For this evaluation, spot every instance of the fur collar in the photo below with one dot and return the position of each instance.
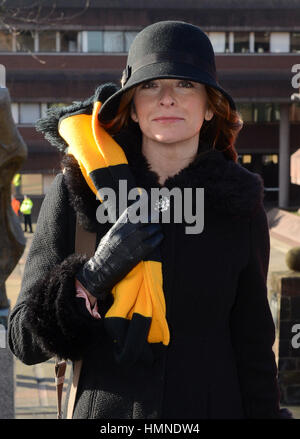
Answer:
(229, 187)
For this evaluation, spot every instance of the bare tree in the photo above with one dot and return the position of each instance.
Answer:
(17, 17)
(41, 12)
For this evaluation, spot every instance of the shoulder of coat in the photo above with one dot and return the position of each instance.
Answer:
(80, 196)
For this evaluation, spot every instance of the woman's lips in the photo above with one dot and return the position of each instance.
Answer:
(167, 119)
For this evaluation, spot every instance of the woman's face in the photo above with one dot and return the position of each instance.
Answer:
(170, 110)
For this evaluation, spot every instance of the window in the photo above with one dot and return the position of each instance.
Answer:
(218, 40)
(246, 158)
(105, 41)
(275, 113)
(228, 46)
(113, 41)
(47, 41)
(5, 41)
(25, 41)
(259, 112)
(92, 41)
(262, 42)
(279, 42)
(266, 112)
(295, 42)
(15, 112)
(68, 41)
(246, 161)
(270, 158)
(269, 173)
(32, 184)
(29, 112)
(129, 37)
(246, 112)
(241, 42)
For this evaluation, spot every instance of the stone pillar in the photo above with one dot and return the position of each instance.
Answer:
(284, 299)
(284, 156)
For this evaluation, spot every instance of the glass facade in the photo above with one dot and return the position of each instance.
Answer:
(119, 41)
(218, 41)
(106, 41)
(47, 41)
(295, 42)
(29, 113)
(259, 112)
(68, 41)
(113, 41)
(129, 37)
(94, 41)
(261, 42)
(246, 111)
(241, 42)
(266, 112)
(25, 41)
(5, 41)
(279, 42)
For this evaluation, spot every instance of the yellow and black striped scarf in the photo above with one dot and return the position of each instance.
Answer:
(137, 317)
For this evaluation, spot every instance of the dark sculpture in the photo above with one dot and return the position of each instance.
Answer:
(13, 152)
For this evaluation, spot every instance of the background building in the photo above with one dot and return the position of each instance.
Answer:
(63, 53)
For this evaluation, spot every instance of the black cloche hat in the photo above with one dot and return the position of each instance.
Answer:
(167, 49)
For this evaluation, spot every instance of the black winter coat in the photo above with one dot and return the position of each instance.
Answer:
(219, 363)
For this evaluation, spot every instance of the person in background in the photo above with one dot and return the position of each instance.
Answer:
(17, 184)
(26, 208)
(15, 204)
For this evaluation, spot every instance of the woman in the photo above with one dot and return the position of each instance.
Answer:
(194, 338)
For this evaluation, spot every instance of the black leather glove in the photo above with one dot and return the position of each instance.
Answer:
(118, 252)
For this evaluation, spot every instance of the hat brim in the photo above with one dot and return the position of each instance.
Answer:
(162, 70)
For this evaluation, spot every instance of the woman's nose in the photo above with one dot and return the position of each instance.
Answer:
(166, 96)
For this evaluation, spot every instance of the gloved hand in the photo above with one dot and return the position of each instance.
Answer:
(118, 252)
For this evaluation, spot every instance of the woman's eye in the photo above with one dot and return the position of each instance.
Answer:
(187, 84)
(150, 83)
(184, 83)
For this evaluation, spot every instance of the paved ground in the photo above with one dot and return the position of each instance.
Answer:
(35, 395)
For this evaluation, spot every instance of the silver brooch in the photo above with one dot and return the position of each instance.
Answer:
(162, 204)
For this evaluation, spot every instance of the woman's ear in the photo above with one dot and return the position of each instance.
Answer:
(133, 114)
(208, 114)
